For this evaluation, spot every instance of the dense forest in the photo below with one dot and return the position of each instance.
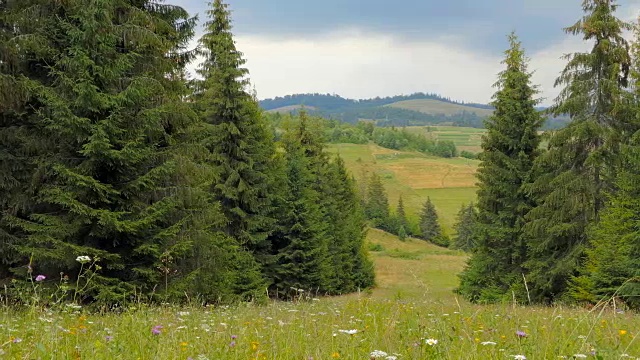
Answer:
(122, 180)
(352, 111)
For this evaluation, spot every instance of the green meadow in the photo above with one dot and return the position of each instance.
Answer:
(413, 313)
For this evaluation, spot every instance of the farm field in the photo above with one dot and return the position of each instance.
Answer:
(412, 314)
(449, 182)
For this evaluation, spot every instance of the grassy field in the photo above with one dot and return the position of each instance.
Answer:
(412, 314)
(430, 106)
(449, 182)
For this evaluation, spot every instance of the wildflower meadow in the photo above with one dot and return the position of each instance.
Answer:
(358, 327)
(413, 313)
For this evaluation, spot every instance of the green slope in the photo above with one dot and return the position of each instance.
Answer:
(436, 107)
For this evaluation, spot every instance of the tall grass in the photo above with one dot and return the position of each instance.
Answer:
(412, 314)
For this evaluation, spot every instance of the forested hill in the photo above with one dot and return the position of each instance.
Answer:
(401, 110)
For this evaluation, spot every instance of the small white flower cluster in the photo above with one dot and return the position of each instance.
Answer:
(379, 354)
(519, 357)
(83, 259)
(350, 332)
(485, 343)
(431, 342)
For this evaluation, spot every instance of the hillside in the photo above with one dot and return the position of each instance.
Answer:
(291, 108)
(449, 183)
(435, 107)
(417, 109)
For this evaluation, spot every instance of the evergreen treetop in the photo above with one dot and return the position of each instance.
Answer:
(239, 142)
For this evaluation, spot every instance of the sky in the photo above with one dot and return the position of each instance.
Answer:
(366, 48)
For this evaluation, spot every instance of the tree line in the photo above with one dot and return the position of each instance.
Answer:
(363, 132)
(561, 223)
(119, 170)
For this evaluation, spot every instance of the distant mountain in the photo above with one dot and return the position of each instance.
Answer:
(401, 110)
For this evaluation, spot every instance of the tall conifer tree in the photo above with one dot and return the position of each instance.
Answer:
(352, 267)
(377, 203)
(301, 245)
(508, 153)
(97, 112)
(465, 228)
(581, 162)
(429, 225)
(240, 144)
(401, 217)
(612, 266)
(613, 253)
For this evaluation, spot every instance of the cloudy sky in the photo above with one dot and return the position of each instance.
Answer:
(368, 48)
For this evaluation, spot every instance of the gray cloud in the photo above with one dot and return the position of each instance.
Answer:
(364, 49)
(480, 24)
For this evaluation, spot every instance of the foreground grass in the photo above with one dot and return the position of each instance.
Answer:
(312, 329)
(412, 304)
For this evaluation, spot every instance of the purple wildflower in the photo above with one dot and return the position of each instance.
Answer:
(521, 334)
(157, 330)
(232, 344)
(40, 278)
(16, 340)
(234, 337)
(108, 338)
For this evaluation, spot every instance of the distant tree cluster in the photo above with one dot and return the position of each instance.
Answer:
(157, 186)
(378, 212)
(561, 223)
(365, 131)
(393, 138)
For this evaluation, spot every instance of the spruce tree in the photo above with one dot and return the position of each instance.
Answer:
(240, 144)
(301, 247)
(465, 228)
(377, 203)
(97, 112)
(613, 251)
(352, 269)
(581, 162)
(429, 225)
(401, 217)
(612, 266)
(508, 152)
